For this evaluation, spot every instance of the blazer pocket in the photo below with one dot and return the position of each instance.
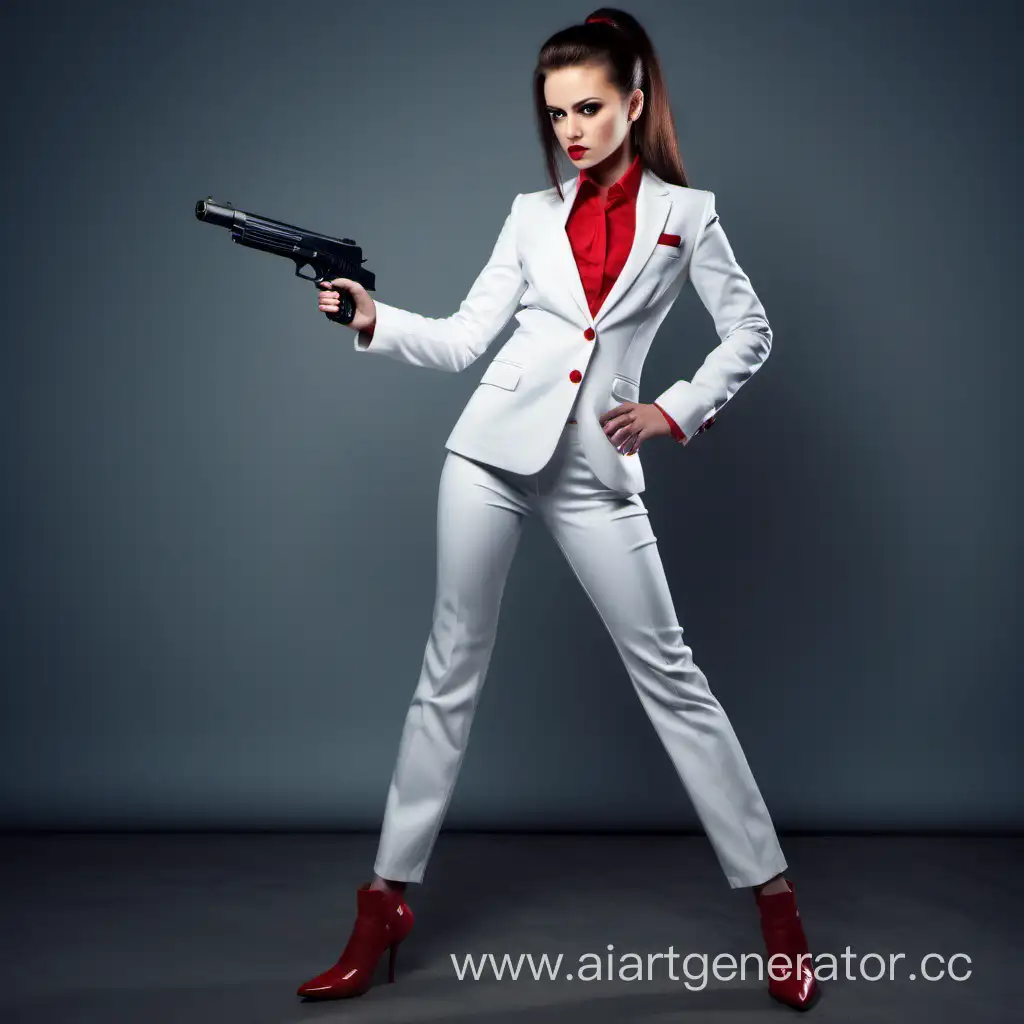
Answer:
(671, 245)
(625, 390)
(502, 374)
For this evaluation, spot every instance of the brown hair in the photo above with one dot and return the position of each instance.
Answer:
(628, 56)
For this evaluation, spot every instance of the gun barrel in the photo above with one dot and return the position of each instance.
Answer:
(214, 213)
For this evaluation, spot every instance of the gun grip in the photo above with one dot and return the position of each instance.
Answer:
(346, 309)
(346, 304)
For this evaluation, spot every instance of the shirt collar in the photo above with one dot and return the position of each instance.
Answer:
(626, 187)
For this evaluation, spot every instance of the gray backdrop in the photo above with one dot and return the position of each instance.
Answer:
(219, 520)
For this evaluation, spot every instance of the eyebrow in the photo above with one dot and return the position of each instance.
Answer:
(581, 103)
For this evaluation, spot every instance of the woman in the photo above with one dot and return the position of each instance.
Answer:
(552, 430)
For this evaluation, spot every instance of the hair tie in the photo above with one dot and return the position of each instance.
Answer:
(607, 21)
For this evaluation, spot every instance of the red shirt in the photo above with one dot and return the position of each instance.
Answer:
(601, 230)
(601, 233)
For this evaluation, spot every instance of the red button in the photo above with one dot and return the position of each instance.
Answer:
(575, 376)
(589, 334)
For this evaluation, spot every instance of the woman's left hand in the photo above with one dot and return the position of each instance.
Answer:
(627, 426)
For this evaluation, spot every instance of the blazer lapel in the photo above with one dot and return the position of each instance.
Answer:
(653, 203)
(562, 247)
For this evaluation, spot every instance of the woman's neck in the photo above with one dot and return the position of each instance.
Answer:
(613, 167)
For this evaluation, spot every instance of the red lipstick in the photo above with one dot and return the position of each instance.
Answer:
(575, 152)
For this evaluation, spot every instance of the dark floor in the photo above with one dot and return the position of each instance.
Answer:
(222, 928)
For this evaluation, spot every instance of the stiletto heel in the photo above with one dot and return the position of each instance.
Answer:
(383, 921)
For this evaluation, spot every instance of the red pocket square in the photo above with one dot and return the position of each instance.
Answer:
(669, 240)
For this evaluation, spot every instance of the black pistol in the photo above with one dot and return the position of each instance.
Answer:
(327, 257)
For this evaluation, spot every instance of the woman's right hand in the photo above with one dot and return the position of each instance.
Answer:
(365, 315)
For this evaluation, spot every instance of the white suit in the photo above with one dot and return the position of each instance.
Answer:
(513, 454)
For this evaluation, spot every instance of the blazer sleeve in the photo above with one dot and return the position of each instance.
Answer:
(452, 343)
(740, 322)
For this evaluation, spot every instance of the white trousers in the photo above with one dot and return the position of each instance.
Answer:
(608, 541)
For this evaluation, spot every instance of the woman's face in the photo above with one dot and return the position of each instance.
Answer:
(586, 110)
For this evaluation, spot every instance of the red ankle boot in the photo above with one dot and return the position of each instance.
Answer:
(383, 921)
(784, 933)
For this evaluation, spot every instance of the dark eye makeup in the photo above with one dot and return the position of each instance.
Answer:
(595, 107)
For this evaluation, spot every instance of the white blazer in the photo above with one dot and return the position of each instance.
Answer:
(518, 411)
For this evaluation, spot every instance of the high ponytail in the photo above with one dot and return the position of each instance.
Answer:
(614, 38)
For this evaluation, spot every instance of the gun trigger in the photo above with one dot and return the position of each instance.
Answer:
(299, 264)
